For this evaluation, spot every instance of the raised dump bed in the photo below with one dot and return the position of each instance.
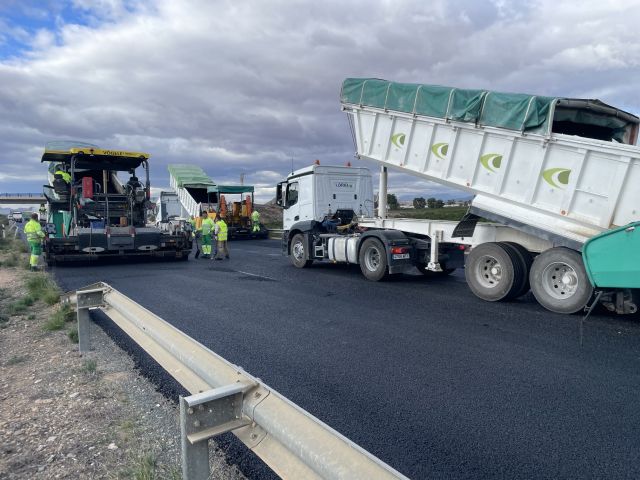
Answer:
(561, 169)
(191, 184)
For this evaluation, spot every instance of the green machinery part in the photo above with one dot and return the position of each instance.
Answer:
(612, 258)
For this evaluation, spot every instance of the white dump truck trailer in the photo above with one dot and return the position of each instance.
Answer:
(557, 176)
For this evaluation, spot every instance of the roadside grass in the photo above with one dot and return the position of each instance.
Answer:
(73, 335)
(89, 366)
(20, 306)
(41, 287)
(16, 359)
(11, 261)
(59, 319)
(444, 213)
(144, 466)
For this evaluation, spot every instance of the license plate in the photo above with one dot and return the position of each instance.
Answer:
(400, 256)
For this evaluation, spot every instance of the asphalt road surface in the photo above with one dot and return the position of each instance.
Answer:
(418, 371)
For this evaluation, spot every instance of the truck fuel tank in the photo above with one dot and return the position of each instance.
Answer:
(343, 248)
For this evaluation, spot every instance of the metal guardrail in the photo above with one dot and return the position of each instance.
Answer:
(275, 233)
(225, 398)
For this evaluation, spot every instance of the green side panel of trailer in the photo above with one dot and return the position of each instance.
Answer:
(612, 259)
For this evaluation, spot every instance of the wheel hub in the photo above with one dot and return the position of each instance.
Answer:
(560, 280)
(489, 271)
(298, 251)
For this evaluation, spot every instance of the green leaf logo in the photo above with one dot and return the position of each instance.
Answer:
(556, 176)
(491, 161)
(440, 150)
(398, 139)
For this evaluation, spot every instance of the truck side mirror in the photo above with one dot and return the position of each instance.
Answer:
(280, 200)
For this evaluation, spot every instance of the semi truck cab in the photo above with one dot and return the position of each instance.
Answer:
(318, 192)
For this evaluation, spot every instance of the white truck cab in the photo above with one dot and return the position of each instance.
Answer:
(318, 192)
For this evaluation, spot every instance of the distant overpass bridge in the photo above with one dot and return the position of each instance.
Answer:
(22, 198)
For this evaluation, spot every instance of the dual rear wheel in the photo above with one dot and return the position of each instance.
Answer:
(506, 270)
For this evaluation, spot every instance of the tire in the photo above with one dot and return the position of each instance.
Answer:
(493, 272)
(526, 259)
(559, 280)
(373, 260)
(298, 252)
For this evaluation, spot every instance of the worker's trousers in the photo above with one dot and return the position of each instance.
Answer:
(223, 251)
(36, 250)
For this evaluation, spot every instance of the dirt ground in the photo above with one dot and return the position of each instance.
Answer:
(63, 415)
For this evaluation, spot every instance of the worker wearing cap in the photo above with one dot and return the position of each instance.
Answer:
(34, 234)
(206, 227)
(221, 236)
(255, 220)
(43, 212)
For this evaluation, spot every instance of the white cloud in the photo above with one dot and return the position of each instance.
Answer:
(246, 86)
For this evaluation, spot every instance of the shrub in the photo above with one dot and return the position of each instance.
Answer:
(73, 335)
(40, 286)
(90, 366)
(16, 308)
(58, 320)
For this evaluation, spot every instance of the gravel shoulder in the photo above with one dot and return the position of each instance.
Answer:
(66, 415)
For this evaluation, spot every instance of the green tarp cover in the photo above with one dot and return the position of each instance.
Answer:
(513, 111)
(190, 176)
(231, 189)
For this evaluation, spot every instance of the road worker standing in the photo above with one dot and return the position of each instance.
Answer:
(255, 221)
(206, 228)
(34, 234)
(196, 235)
(221, 236)
(43, 212)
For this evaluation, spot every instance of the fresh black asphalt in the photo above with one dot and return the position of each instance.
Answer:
(418, 371)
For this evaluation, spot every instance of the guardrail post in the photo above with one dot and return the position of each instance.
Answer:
(86, 299)
(205, 415)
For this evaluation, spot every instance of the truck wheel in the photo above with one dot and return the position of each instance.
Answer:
(493, 271)
(525, 259)
(373, 259)
(559, 280)
(298, 252)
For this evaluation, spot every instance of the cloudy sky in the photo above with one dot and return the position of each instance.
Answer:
(252, 86)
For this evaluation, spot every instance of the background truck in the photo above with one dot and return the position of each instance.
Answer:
(558, 176)
(93, 214)
(197, 193)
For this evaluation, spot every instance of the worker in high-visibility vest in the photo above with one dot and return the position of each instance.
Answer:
(65, 176)
(34, 234)
(206, 227)
(221, 236)
(255, 221)
(43, 212)
(196, 236)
